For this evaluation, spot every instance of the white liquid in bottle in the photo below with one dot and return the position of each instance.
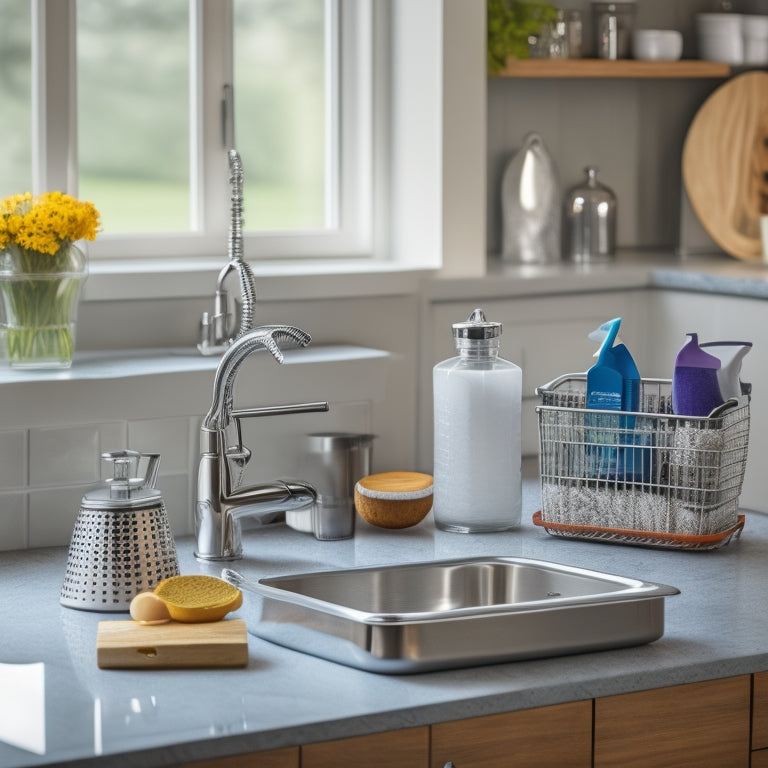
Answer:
(477, 397)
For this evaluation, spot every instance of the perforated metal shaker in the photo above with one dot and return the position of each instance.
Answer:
(122, 542)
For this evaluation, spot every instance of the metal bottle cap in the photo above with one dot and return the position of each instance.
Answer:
(476, 327)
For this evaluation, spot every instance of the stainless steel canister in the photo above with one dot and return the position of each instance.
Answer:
(589, 222)
(333, 463)
(613, 24)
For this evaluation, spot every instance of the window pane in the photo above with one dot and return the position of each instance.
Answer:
(280, 111)
(133, 113)
(15, 97)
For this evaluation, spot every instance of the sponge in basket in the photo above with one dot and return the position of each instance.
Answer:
(394, 499)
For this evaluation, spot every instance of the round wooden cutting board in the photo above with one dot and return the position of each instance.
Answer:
(725, 164)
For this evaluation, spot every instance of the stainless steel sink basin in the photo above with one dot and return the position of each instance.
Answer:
(455, 613)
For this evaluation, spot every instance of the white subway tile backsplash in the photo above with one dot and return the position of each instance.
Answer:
(278, 444)
(13, 459)
(63, 455)
(53, 512)
(52, 515)
(71, 455)
(56, 466)
(168, 437)
(193, 461)
(113, 436)
(13, 521)
(175, 492)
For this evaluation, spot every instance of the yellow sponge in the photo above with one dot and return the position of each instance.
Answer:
(198, 598)
(394, 499)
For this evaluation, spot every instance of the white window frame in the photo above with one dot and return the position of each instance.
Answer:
(348, 233)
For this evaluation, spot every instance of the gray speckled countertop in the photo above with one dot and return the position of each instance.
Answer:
(74, 713)
(712, 273)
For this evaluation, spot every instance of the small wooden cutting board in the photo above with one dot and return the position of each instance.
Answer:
(129, 645)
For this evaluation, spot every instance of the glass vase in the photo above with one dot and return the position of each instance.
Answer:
(39, 297)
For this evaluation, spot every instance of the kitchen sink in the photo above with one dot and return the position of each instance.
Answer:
(454, 613)
(426, 616)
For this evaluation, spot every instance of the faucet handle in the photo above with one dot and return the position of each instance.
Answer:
(279, 410)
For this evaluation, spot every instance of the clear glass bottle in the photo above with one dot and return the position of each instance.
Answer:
(477, 401)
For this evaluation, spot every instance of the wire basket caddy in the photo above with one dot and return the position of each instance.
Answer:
(648, 477)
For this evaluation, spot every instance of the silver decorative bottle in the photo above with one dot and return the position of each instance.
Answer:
(530, 202)
(590, 221)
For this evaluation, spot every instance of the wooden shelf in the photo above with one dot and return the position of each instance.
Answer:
(601, 68)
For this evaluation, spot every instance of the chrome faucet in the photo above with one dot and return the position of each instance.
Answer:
(219, 330)
(221, 502)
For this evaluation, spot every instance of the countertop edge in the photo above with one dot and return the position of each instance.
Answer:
(631, 270)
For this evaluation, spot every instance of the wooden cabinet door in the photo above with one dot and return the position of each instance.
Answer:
(275, 758)
(406, 748)
(760, 710)
(560, 735)
(686, 726)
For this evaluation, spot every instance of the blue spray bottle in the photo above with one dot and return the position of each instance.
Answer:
(613, 384)
(614, 360)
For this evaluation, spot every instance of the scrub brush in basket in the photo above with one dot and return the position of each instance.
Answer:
(695, 387)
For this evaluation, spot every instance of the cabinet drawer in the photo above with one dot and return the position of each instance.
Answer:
(394, 749)
(560, 735)
(275, 758)
(688, 726)
(760, 710)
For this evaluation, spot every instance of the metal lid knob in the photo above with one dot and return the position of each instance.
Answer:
(476, 327)
(127, 488)
(121, 483)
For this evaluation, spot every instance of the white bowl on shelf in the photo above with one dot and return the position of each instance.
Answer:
(754, 31)
(720, 37)
(657, 44)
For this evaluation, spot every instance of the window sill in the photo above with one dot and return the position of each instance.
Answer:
(129, 363)
(170, 382)
(138, 279)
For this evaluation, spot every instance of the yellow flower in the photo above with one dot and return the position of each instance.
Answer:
(10, 204)
(47, 222)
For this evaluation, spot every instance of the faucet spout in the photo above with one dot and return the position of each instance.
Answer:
(269, 502)
(221, 503)
(266, 336)
(219, 532)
